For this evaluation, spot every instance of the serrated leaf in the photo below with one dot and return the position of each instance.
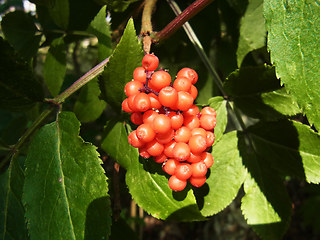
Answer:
(65, 191)
(252, 30)
(101, 29)
(125, 58)
(257, 93)
(266, 204)
(293, 32)
(55, 66)
(226, 175)
(146, 180)
(21, 32)
(12, 222)
(88, 106)
(219, 104)
(19, 90)
(291, 148)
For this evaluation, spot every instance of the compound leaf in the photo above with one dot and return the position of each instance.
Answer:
(65, 191)
(293, 32)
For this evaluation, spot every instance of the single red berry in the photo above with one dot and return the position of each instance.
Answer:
(183, 171)
(142, 102)
(208, 110)
(210, 137)
(182, 84)
(161, 158)
(188, 73)
(207, 158)
(183, 134)
(170, 166)
(165, 138)
(181, 151)
(192, 111)
(136, 118)
(168, 149)
(207, 121)
(134, 140)
(125, 106)
(199, 131)
(197, 181)
(159, 80)
(199, 169)
(143, 153)
(168, 97)
(154, 148)
(154, 99)
(191, 122)
(133, 88)
(185, 101)
(194, 158)
(197, 144)
(145, 132)
(176, 184)
(149, 116)
(150, 62)
(161, 123)
(139, 74)
(176, 120)
(193, 91)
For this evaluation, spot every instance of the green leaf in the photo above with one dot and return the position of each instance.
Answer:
(252, 30)
(55, 66)
(219, 104)
(59, 10)
(21, 32)
(226, 175)
(19, 90)
(65, 191)
(125, 58)
(146, 180)
(293, 33)
(101, 29)
(266, 204)
(291, 148)
(12, 222)
(88, 106)
(257, 93)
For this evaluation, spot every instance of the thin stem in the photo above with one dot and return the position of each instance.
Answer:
(80, 83)
(146, 25)
(36, 124)
(187, 14)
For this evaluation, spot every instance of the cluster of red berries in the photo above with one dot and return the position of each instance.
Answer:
(171, 128)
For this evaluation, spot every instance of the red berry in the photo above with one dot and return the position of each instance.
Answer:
(210, 137)
(182, 84)
(194, 158)
(165, 138)
(193, 91)
(176, 184)
(208, 110)
(143, 153)
(192, 111)
(134, 140)
(170, 166)
(176, 120)
(149, 116)
(168, 149)
(197, 144)
(145, 132)
(181, 151)
(207, 121)
(150, 62)
(183, 134)
(159, 80)
(168, 97)
(154, 148)
(207, 158)
(197, 181)
(191, 122)
(199, 131)
(136, 118)
(199, 169)
(133, 88)
(161, 158)
(154, 99)
(142, 102)
(125, 106)
(161, 123)
(185, 101)
(139, 74)
(188, 73)
(183, 171)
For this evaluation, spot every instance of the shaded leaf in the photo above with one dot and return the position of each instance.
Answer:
(293, 32)
(88, 106)
(21, 32)
(219, 104)
(65, 191)
(125, 58)
(266, 204)
(101, 29)
(12, 222)
(19, 90)
(291, 148)
(55, 66)
(226, 175)
(146, 180)
(252, 30)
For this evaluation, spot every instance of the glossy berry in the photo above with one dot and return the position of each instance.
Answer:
(208, 110)
(142, 102)
(199, 131)
(170, 166)
(139, 74)
(154, 148)
(210, 137)
(189, 74)
(182, 84)
(194, 158)
(125, 106)
(149, 116)
(161, 158)
(192, 111)
(161, 123)
(136, 118)
(168, 97)
(176, 120)
(154, 100)
(183, 134)
(183, 171)
(134, 140)
(207, 121)
(181, 151)
(165, 138)
(199, 169)
(197, 144)
(176, 184)
(207, 158)
(159, 80)
(168, 149)
(193, 92)
(191, 122)
(150, 62)
(197, 181)
(145, 132)
(143, 153)
(185, 101)
(133, 88)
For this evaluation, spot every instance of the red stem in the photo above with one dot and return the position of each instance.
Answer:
(176, 23)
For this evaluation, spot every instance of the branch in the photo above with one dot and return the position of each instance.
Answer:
(146, 25)
(176, 23)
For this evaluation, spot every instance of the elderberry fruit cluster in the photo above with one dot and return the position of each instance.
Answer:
(171, 128)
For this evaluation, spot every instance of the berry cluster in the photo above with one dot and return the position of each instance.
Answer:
(171, 128)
